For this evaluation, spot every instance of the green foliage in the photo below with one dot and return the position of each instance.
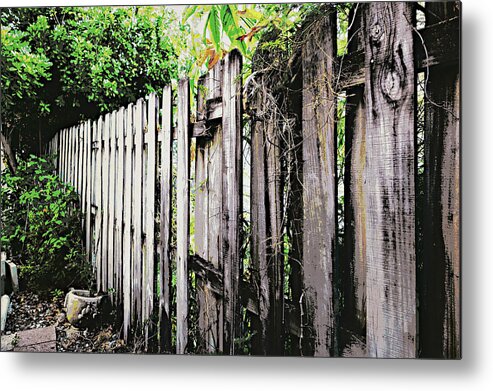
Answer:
(74, 63)
(41, 227)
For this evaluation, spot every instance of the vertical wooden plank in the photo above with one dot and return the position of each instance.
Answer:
(57, 151)
(89, 189)
(267, 207)
(119, 195)
(61, 158)
(182, 212)
(111, 201)
(352, 331)
(439, 288)
(232, 175)
(319, 184)
(82, 170)
(137, 213)
(208, 210)
(105, 200)
(165, 223)
(79, 144)
(149, 212)
(70, 159)
(389, 187)
(127, 221)
(98, 202)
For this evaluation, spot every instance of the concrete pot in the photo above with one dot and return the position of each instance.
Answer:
(85, 310)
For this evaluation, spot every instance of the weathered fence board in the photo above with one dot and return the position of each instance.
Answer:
(127, 221)
(208, 198)
(389, 186)
(319, 185)
(352, 333)
(137, 213)
(267, 228)
(182, 210)
(149, 212)
(232, 174)
(440, 276)
(165, 222)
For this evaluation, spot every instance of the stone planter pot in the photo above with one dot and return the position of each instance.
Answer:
(85, 310)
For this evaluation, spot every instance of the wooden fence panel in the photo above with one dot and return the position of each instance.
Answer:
(97, 190)
(352, 331)
(439, 290)
(137, 213)
(111, 202)
(165, 222)
(389, 187)
(319, 184)
(89, 188)
(119, 200)
(208, 212)
(182, 212)
(127, 221)
(149, 213)
(232, 185)
(266, 221)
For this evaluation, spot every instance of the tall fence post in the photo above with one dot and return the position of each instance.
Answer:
(165, 222)
(182, 212)
(439, 290)
(389, 186)
(232, 183)
(319, 184)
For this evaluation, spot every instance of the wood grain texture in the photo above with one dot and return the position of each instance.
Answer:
(165, 222)
(352, 330)
(89, 190)
(150, 191)
(97, 198)
(182, 210)
(208, 211)
(389, 187)
(127, 222)
(111, 203)
(319, 184)
(119, 200)
(353, 273)
(439, 279)
(231, 187)
(137, 213)
(267, 227)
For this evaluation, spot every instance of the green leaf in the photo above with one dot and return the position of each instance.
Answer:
(215, 28)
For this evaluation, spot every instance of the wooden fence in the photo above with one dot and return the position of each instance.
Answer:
(391, 290)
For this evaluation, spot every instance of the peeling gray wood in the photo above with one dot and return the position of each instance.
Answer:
(439, 290)
(165, 223)
(119, 183)
(89, 190)
(111, 201)
(97, 189)
(352, 330)
(137, 213)
(354, 268)
(127, 221)
(319, 184)
(182, 210)
(148, 280)
(267, 227)
(389, 187)
(232, 174)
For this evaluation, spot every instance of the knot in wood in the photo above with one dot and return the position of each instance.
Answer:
(391, 84)
(376, 33)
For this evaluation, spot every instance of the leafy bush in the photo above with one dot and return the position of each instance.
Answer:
(41, 227)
